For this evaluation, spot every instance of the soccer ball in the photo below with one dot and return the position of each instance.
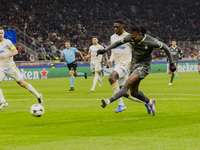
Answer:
(37, 110)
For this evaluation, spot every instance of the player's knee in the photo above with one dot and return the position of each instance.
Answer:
(22, 84)
(134, 93)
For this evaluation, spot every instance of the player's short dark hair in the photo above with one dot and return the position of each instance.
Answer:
(139, 29)
(120, 21)
(95, 37)
(174, 40)
(67, 41)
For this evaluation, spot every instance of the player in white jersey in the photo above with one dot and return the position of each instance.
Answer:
(95, 63)
(122, 56)
(8, 67)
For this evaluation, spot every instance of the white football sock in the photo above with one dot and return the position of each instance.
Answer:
(32, 90)
(2, 99)
(96, 77)
(150, 102)
(115, 88)
(136, 99)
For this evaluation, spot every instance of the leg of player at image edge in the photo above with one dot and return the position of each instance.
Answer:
(32, 90)
(3, 101)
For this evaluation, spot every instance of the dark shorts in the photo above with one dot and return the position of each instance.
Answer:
(198, 62)
(72, 66)
(141, 70)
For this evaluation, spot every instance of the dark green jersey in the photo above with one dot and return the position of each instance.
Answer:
(176, 52)
(142, 52)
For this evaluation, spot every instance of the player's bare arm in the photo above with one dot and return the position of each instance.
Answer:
(88, 55)
(81, 55)
(13, 53)
(62, 58)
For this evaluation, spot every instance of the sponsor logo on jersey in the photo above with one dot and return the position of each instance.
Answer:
(1, 51)
(120, 47)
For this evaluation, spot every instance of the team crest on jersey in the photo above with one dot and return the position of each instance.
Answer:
(146, 47)
(1, 44)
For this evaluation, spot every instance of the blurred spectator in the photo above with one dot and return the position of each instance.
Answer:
(32, 58)
(78, 21)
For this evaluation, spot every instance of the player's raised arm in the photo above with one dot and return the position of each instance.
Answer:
(114, 45)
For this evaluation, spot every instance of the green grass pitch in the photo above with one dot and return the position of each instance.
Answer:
(75, 120)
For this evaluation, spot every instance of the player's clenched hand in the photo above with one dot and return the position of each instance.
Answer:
(101, 51)
(172, 67)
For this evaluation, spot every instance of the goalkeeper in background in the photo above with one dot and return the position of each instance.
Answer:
(176, 56)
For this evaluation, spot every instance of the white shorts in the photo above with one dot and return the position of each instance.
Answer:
(95, 67)
(122, 69)
(12, 72)
(122, 80)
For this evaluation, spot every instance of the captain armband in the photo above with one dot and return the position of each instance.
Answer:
(12, 48)
(122, 41)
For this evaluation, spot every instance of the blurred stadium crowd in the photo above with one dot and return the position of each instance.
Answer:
(51, 22)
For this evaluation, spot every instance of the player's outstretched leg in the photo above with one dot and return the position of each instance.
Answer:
(122, 92)
(138, 100)
(3, 101)
(105, 102)
(152, 103)
(30, 88)
(148, 102)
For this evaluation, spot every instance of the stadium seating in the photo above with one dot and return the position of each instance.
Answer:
(55, 21)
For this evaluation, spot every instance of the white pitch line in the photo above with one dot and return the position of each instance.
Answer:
(100, 99)
(177, 94)
(112, 93)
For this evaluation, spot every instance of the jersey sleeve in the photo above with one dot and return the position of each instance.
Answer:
(90, 49)
(11, 46)
(62, 53)
(157, 44)
(126, 39)
(101, 47)
(118, 43)
(75, 50)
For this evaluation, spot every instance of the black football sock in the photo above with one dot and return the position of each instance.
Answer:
(142, 97)
(172, 77)
(122, 92)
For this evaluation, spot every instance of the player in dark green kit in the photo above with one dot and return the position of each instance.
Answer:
(176, 55)
(142, 45)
